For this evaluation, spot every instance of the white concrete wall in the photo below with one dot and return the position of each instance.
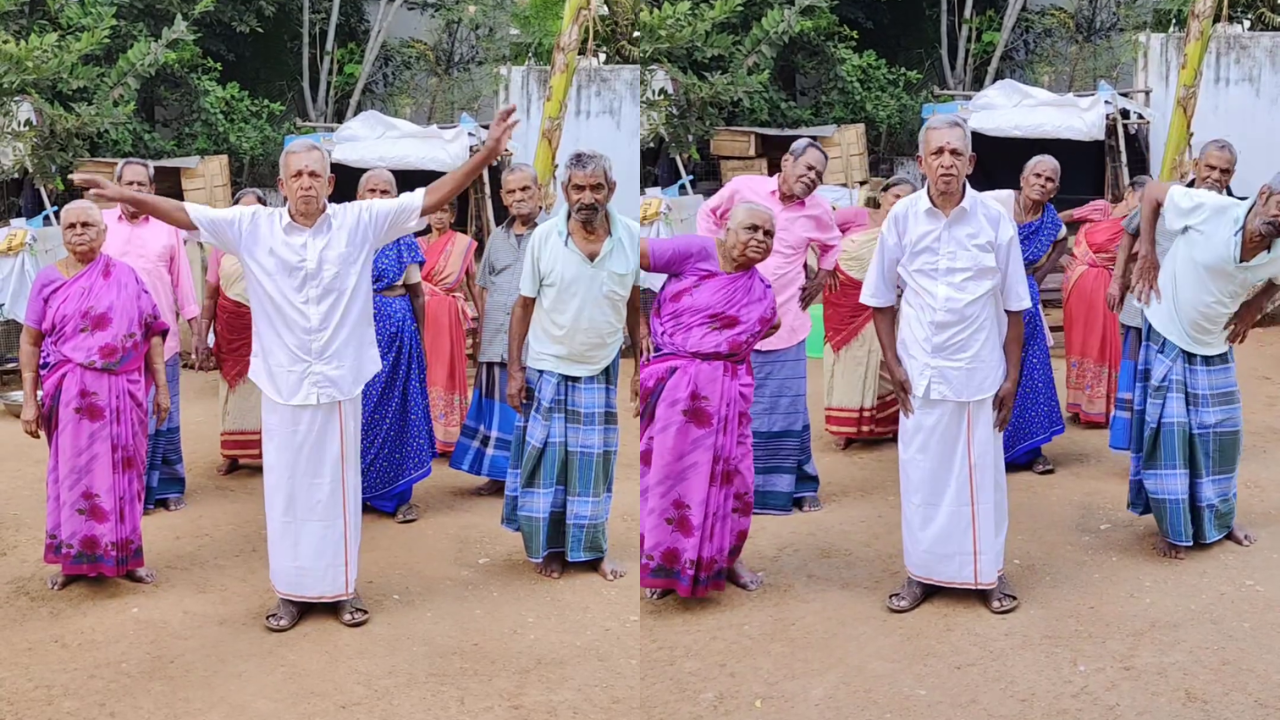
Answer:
(1239, 94)
(603, 114)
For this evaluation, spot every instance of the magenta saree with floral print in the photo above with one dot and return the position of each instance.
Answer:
(696, 469)
(97, 326)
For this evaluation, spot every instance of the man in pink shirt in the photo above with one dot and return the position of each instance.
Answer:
(786, 477)
(155, 251)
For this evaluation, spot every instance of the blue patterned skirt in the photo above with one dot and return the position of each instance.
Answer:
(1037, 416)
(780, 432)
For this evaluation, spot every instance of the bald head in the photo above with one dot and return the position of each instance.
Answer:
(377, 183)
(83, 230)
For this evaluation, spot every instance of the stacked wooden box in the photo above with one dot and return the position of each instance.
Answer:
(848, 165)
(738, 153)
(741, 153)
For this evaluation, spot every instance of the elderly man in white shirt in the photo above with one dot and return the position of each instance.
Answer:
(578, 292)
(308, 267)
(1188, 422)
(953, 354)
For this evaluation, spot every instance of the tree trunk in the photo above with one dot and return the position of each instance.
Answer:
(1199, 29)
(323, 100)
(944, 35)
(306, 61)
(1011, 12)
(377, 35)
(564, 61)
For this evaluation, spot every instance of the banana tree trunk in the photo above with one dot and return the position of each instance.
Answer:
(564, 61)
(1199, 29)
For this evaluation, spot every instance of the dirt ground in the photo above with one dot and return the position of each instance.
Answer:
(463, 629)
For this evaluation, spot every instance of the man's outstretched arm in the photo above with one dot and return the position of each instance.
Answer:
(166, 210)
(456, 182)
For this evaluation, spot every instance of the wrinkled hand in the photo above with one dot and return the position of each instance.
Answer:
(203, 356)
(635, 395)
(643, 348)
(98, 188)
(161, 405)
(515, 389)
(1242, 321)
(500, 131)
(813, 288)
(31, 419)
(1005, 396)
(1146, 277)
(1115, 295)
(901, 388)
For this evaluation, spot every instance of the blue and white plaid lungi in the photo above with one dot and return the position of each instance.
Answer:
(564, 450)
(1187, 434)
(484, 445)
(1121, 430)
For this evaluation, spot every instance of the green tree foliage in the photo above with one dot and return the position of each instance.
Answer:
(755, 62)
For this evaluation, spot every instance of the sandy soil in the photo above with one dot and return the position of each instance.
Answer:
(464, 629)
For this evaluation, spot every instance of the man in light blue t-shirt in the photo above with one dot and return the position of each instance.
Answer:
(1187, 417)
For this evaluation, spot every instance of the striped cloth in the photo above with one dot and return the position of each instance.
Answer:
(780, 432)
(1122, 415)
(560, 481)
(1187, 433)
(484, 446)
(166, 474)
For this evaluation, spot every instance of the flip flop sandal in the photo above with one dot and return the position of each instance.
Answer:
(409, 515)
(924, 590)
(287, 609)
(1045, 465)
(346, 606)
(1003, 587)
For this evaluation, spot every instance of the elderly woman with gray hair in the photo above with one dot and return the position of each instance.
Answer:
(226, 310)
(1037, 416)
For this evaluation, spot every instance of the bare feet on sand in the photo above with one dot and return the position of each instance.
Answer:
(552, 566)
(843, 443)
(143, 575)
(657, 594)
(1241, 536)
(228, 466)
(489, 487)
(173, 504)
(610, 569)
(809, 503)
(1166, 549)
(57, 581)
(742, 577)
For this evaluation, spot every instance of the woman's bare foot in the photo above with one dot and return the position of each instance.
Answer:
(1241, 537)
(808, 503)
(57, 581)
(610, 569)
(142, 575)
(489, 487)
(843, 443)
(742, 577)
(228, 466)
(1166, 549)
(406, 513)
(173, 504)
(552, 566)
(656, 593)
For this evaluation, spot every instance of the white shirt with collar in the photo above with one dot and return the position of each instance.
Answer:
(1202, 281)
(311, 290)
(960, 276)
(580, 315)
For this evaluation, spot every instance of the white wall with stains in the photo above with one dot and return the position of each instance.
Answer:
(603, 114)
(1239, 94)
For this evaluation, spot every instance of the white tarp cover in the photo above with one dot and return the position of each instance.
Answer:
(1010, 109)
(371, 140)
(18, 270)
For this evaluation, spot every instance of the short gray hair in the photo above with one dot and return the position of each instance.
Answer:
(899, 181)
(302, 146)
(518, 168)
(746, 205)
(137, 162)
(1050, 160)
(1222, 146)
(588, 161)
(382, 173)
(250, 192)
(804, 145)
(945, 122)
(78, 204)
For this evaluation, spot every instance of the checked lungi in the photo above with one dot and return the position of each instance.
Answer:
(1187, 434)
(564, 449)
(1121, 430)
(484, 445)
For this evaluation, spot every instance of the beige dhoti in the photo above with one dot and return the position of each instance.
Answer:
(955, 504)
(311, 483)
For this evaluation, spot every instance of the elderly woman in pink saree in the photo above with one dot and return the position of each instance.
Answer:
(448, 278)
(94, 343)
(694, 400)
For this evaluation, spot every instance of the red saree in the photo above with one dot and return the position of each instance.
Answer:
(1092, 330)
(444, 338)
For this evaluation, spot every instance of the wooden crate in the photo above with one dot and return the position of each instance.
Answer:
(209, 183)
(848, 165)
(735, 144)
(730, 169)
(105, 169)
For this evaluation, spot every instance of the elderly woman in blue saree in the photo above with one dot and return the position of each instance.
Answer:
(397, 443)
(1037, 416)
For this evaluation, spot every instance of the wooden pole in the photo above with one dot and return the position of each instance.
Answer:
(564, 61)
(1178, 140)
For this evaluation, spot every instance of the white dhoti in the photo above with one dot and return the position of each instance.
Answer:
(955, 503)
(311, 483)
